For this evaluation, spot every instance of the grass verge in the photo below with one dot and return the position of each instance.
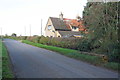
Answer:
(6, 66)
(77, 55)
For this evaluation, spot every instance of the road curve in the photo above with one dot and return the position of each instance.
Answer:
(33, 62)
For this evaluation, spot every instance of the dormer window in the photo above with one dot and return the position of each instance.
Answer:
(49, 27)
(74, 27)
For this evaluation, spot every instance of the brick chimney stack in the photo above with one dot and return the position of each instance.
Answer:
(61, 16)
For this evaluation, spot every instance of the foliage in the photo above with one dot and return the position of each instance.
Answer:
(14, 35)
(6, 69)
(112, 65)
(101, 20)
(71, 43)
(84, 45)
(96, 60)
(69, 52)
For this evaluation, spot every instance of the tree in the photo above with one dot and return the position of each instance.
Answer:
(14, 35)
(101, 20)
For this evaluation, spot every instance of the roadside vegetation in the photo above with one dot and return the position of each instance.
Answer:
(101, 21)
(96, 60)
(101, 36)
(6, 65)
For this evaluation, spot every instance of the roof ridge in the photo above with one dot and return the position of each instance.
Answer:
(54, 17)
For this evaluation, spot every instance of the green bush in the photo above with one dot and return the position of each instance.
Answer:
(23, 37)
(109, 48)
(84, 45)
(71, 43)
(69, 52)
(44, 40)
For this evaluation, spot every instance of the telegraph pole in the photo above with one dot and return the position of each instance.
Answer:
(1, 32)
(25, 30)
(41, 27)
(30, 29)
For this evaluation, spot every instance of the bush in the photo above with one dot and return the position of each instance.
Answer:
(84, 45)
(109, 48)
(71, 43)
(44, 40)
(23, 37)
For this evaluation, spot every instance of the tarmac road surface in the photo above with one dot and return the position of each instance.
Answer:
(33, 62)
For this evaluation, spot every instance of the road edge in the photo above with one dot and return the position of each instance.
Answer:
(11, 64)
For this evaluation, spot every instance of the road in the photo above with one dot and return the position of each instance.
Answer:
(33, 62)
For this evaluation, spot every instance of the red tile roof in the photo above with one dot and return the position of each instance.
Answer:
(75, 23)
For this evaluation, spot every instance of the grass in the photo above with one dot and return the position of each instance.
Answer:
(95, 60)
(112, 65)
(6, 67)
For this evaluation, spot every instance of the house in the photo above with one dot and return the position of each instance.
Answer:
(63, 27)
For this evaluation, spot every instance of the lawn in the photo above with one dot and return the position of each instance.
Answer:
(95, 60)
(6, 65)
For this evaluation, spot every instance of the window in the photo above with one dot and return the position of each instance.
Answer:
(49, 27)
(73, 27)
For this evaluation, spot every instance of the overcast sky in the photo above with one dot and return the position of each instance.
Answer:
(15, 15)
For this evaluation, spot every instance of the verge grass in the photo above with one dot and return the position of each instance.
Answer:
(77, 55)
(6, 66)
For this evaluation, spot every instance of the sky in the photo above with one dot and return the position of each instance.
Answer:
(16, 16)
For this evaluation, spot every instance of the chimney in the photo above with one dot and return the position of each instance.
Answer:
(78, 18)
(61, 16)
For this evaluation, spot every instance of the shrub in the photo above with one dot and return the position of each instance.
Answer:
(44, 40)
(84, 45)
